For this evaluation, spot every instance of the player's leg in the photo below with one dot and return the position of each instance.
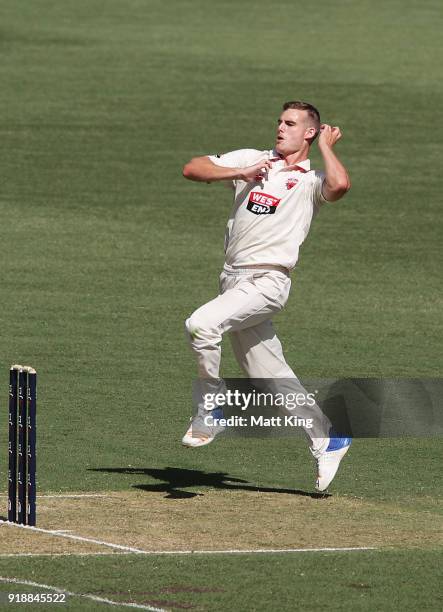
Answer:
(246, 299)
(259, 352)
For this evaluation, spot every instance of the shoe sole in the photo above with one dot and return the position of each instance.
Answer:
(198, 442)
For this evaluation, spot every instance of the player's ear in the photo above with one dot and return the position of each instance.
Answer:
(310, 133)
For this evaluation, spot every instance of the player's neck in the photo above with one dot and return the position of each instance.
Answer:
(297, 157)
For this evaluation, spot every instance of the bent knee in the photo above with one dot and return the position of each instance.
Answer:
(199, 329)
(190, 327)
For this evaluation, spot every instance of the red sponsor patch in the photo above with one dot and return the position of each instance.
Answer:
(263, 198)
(262, 203)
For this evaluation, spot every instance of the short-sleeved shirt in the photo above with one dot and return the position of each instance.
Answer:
(270, 218)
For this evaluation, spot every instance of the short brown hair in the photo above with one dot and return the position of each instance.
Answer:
(311, 110)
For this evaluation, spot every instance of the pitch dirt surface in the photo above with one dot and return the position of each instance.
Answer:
(226, 521)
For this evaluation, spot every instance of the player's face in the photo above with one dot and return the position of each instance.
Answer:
(292, 131)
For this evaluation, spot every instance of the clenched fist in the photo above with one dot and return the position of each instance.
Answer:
(255, 172)
(328, 135)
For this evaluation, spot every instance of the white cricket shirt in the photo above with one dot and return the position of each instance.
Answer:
(270, 218)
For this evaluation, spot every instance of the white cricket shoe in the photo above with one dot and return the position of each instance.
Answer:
(329, 461)
(203, 429)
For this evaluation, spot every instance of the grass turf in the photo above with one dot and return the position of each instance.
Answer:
(400, 580)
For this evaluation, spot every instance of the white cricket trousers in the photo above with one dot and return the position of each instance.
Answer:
(247, 301)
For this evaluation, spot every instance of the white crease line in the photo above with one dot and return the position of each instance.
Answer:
(74, 495)
(70, 496)
(85, 595)
(255, 551)
(66, 554)
(140, 551)
(75, 537)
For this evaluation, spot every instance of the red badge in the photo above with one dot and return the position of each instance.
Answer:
(290, 183)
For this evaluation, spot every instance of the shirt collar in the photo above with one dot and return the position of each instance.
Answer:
(303, 166)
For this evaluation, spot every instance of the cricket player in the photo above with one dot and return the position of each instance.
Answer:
(276, 197)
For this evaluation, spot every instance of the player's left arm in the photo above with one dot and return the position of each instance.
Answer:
(336, 182)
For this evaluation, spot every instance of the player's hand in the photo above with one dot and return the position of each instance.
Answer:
(256, 172)
(328, 135)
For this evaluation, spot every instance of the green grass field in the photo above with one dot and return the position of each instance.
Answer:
(105, 251)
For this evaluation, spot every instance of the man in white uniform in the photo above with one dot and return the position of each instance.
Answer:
(276, 197)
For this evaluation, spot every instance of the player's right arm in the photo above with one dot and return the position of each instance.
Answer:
(204, 170)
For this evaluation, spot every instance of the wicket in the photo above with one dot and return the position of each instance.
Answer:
(22, 445)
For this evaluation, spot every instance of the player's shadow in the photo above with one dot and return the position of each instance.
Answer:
(174, 480)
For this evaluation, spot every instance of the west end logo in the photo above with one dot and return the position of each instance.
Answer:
(262, 203)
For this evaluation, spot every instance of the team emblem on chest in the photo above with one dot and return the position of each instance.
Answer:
(262, 203)
(290, 183)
